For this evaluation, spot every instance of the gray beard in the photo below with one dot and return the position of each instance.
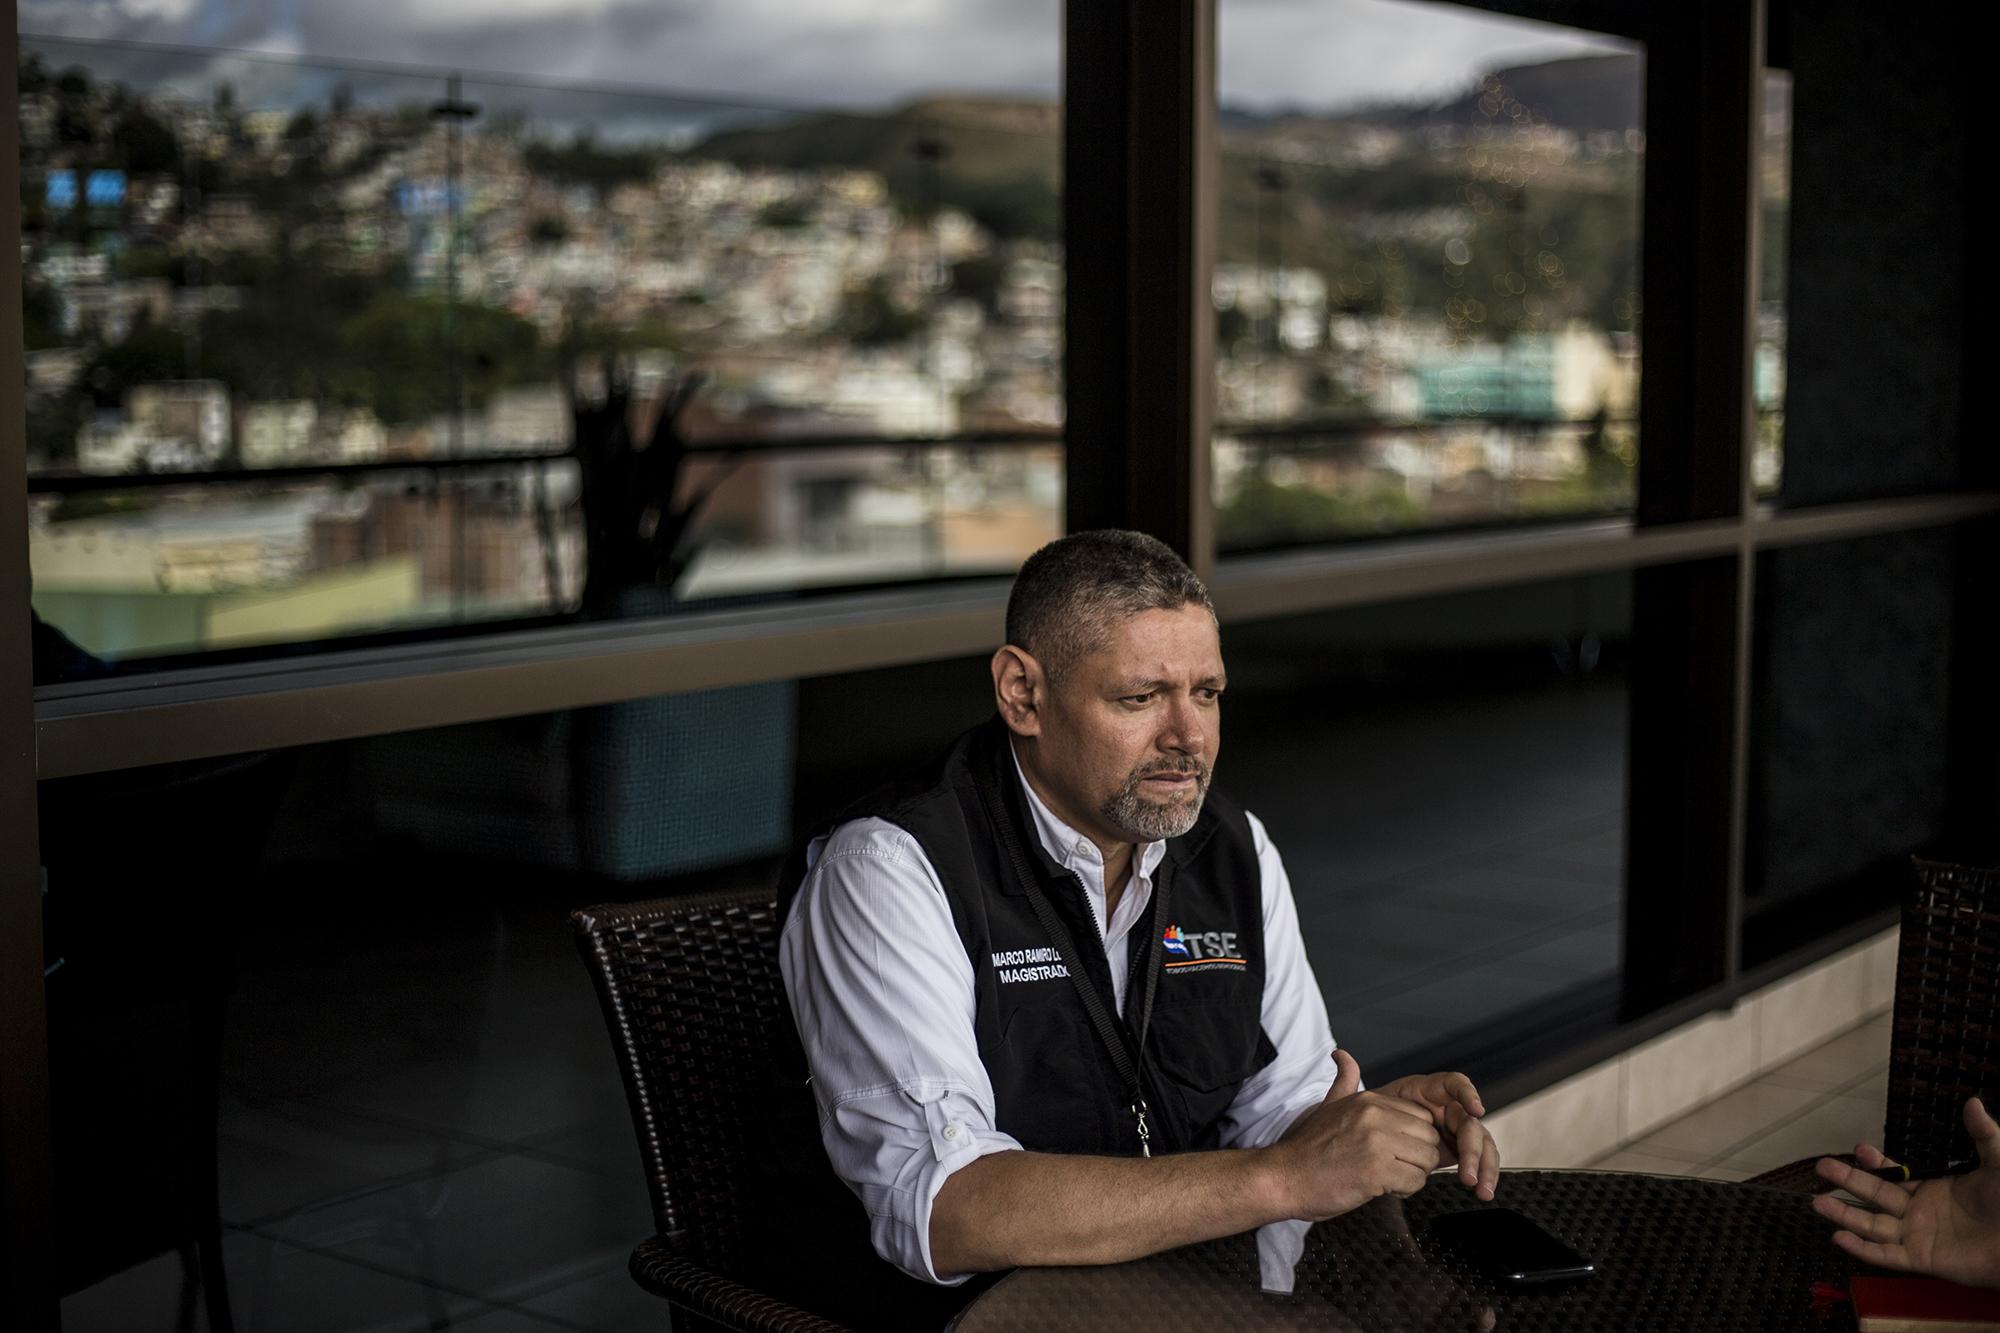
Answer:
(1146, 820)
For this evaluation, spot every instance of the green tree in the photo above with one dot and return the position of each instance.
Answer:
(143, 143)
(52, 424)
(873, 317)
(1263, 512)
(150, 353)
(1020, 206)
(583, 162)
(40, 317)
(34, 76)
(400, 353)
(980, 279)
(74, 122)
(1231, 327)
(785, 214)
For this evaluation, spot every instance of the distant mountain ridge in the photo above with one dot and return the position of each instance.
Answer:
(1001, 158)
(997, 158)
(1585, 94)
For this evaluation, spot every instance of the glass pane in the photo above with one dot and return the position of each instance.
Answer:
(417, 1115)
(321, 351)
(1882, 258)
(418, 1111)
(1428, 270)
(1774, 192)
(1849, 746)
(789, 292)
(1446, 782)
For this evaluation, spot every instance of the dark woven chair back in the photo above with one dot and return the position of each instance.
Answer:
(690, 989)
(1947, 1021)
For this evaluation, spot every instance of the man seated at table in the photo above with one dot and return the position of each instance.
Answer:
(1052, 991)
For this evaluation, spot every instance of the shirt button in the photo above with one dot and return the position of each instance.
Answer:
(951, 1131)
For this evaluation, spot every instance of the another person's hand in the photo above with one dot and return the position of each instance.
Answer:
(1454, 1107)
(1353, 1147)
(1948, 1228)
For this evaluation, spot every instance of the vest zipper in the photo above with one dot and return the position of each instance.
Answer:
(1138, 1107)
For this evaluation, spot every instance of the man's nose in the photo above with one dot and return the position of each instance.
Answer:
(1184, 728)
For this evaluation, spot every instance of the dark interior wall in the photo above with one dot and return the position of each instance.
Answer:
(1880, 260)
(1851, 709)
(1850, 736)
(859, 729)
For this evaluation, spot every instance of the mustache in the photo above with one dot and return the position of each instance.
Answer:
(1185, 768)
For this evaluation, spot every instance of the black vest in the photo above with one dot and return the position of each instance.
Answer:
(1056, 1088)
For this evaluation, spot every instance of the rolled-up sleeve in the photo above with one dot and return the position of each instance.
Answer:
(1293, 1016)
(882, 993)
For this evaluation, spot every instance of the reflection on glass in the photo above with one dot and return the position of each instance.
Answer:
(1446, 781)
(1850, 749)
(408, 1101)
(318, 350)
(1426, 292)
(1774, 192)
(176, 569)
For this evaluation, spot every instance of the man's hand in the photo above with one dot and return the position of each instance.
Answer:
(1454, 1107)
(1948, 1228)
(1353, 1147)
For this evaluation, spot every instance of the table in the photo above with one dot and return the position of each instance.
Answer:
(1673, 1254)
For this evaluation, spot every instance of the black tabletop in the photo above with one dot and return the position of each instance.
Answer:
(1671, 1254)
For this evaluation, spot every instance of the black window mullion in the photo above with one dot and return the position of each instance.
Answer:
(1138, 200)
(1691, 626)
(27, 1298)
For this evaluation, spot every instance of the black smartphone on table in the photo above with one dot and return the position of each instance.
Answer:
(1509, 1247)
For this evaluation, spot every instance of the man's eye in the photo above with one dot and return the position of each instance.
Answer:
(1137, 698)
(1208, 695)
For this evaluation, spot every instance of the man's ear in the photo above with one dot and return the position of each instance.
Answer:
(1019, 689)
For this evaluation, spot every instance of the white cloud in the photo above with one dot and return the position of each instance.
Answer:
(103, 18)
(1338, 53)
(449, 15)
(1321, 53)
(168, 11)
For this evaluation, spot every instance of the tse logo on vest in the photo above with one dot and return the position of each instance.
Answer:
(1201, 950)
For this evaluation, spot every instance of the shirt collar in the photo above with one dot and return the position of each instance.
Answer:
(1071, 849)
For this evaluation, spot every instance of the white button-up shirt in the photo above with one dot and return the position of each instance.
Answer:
(883, 995)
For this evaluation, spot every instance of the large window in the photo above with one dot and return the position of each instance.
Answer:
(1427, 276)
(417, 1117)
(1851, 748)
(1774, 195)
(1881, 288)
(317, 349)
(454, 391)
(1445, 779)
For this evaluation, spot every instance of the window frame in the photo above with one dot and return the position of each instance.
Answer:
(1139, 230)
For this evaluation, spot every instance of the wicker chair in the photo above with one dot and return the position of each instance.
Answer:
(1946, 1028)
(690, 990)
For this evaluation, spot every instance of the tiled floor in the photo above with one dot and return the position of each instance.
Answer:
(421, 1128)
(1824, 1101)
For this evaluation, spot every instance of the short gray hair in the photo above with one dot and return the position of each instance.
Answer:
(1070, 593)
